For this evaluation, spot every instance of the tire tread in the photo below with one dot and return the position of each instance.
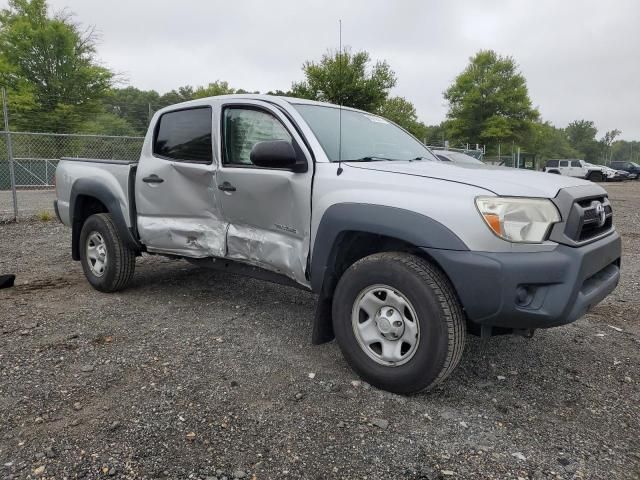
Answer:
(124, 261)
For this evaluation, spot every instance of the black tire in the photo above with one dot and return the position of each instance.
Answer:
(595, 177)
(554, 171)
(440, 318)
(120, 258)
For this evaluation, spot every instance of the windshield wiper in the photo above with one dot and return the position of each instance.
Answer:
(372, 158)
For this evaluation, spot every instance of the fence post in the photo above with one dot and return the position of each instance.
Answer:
(12, 174)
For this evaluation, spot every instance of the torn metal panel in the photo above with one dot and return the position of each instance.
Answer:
(268, 249)
(269, 218)
(177, 237)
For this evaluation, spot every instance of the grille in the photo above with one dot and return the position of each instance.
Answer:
(591, 224)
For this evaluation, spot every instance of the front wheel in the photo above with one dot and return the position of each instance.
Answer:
(398, 322)
(596, 177)
(108, 263)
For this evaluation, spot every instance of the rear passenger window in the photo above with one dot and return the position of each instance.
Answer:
(184, 135)
(564, 163)
(575, 163)
(552, 163)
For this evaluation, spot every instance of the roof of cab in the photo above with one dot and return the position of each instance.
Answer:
(255, 96)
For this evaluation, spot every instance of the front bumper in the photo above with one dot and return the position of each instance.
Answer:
(532, 290)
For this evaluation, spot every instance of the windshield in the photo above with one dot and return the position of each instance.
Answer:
(365, 137)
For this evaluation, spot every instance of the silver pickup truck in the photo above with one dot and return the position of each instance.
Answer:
(406, 253)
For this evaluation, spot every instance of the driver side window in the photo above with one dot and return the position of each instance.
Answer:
(243, 128)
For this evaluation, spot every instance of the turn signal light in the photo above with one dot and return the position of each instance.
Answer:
(493, 221)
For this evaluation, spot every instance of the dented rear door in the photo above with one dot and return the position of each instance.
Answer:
(268, 210)
(177, 209)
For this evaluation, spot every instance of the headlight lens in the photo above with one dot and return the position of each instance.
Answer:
(523, 220)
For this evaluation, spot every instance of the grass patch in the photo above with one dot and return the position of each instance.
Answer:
(44, 216)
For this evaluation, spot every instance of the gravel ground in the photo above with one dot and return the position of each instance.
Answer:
(195, 374)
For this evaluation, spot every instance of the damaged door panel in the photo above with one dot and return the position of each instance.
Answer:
(266, 228)
(175, 188)
(268, 209)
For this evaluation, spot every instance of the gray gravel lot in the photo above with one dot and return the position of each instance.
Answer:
(196, 374)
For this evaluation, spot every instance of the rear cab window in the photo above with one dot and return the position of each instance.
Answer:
(184, 136)
(552, 163)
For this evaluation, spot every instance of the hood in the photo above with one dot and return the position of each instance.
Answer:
(499, 180)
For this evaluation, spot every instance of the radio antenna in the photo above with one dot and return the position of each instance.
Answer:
(340, 97)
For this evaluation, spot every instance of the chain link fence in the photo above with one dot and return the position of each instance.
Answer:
(28, 162)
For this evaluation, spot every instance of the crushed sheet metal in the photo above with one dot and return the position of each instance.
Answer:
(267, 249)
(180, 237)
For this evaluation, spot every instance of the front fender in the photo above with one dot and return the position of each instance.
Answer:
(411, 227)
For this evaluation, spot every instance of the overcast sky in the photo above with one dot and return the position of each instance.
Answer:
(581, 58)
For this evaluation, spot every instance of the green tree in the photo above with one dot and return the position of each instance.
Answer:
(280, 93)
(347, 78)
(133, 105)
(182, 94)
(622, 150)
(216, 88)
(547, 142)
(489, 102)
(606, 143)
(402, 112)
(582, 137)
(108, 124)
(213, 89)
(136, 106)
(49, 64)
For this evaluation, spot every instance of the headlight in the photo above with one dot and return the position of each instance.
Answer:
(525, 220)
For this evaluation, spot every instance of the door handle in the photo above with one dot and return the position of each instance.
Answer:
(227, 187)
(153, 179)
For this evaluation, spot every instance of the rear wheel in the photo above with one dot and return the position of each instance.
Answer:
(398, 322)
(108, 263)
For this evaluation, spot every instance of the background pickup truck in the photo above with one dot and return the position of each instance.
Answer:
(406, 253)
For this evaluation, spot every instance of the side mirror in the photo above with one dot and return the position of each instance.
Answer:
(276, 154)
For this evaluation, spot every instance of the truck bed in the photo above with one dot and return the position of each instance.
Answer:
(75, 176)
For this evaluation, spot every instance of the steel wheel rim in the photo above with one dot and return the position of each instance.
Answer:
(385, 325)
(96, 249)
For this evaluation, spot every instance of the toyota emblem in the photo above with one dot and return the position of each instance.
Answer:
(600, 214)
